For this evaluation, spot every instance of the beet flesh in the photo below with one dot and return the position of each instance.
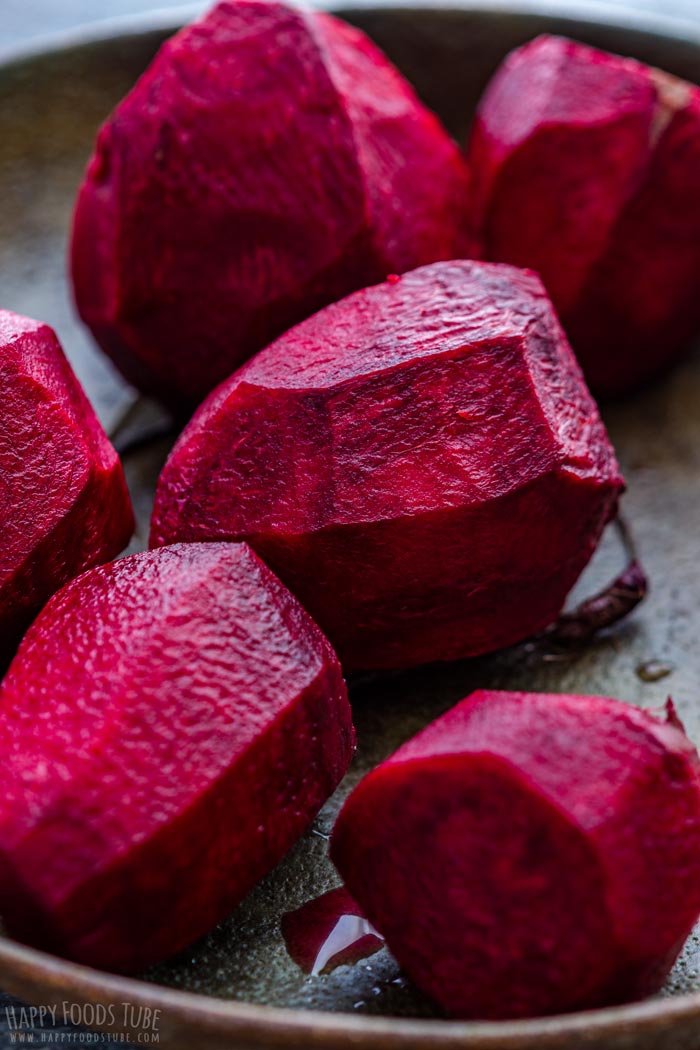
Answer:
(530, 854)
(421, 463)
(64, 505)
(586, 168)
(269, 161)
(171, 724)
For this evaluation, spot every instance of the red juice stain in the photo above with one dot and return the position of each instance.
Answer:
(329, 931)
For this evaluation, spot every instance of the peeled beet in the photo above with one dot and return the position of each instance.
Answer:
(421, 463)
(269, 161)
(170, 725)
(530, 854)
(64, 504)
(587, 169)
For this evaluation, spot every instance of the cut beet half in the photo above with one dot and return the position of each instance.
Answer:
(515, 852)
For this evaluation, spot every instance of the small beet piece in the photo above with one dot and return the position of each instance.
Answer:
(171, 724)
(329, 931)
(421, 463)
(530, 854)
(586, 168)
(270, 161)
(64, 505)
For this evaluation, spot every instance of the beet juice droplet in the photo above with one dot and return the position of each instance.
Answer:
(329, 931)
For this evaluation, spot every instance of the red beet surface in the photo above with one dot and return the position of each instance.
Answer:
(171, 724)
(64, 505)
(587, 169)
(530, 854)
(421, 463)
(270, 161)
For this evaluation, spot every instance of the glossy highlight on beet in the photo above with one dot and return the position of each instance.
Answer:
(586, 168)
(64, 505)
(421, 463)
(530, 854)
(171, 724)
(268, 162)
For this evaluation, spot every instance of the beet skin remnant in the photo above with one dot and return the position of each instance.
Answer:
(172, 722)
(270, 161)
(587, 169)
(530, 854)
(421, 463)
(64, 504)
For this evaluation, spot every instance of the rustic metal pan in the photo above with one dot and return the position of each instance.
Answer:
(237, 988)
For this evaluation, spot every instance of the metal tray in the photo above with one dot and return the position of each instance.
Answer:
(237, 987)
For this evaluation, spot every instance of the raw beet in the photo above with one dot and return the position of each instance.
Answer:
(587, 169)
(170, 725)
(64, 504)
(530, 854)
(421, 463)
(270, 161)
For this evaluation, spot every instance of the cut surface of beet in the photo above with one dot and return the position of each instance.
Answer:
(515, 853)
